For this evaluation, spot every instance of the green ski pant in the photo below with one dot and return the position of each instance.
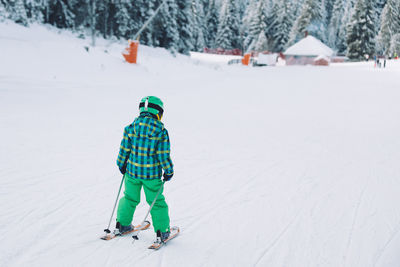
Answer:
(127, 204)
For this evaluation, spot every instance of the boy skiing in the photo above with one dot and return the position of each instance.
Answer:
(143, 155)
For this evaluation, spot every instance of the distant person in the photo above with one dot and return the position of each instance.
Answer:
(143, 156)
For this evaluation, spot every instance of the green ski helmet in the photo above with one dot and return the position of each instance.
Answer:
(153, 105)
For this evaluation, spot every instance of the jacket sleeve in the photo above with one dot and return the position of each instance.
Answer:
(124, 150)
(163, 153)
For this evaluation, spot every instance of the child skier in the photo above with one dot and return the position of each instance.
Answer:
(144, 153)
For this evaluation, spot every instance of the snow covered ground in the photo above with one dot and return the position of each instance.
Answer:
(286, 166)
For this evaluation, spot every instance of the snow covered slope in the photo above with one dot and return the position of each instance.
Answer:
(287, 166)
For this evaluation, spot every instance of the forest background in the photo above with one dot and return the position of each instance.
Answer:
(355, 28)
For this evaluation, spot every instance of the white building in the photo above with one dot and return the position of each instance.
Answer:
(306, 51)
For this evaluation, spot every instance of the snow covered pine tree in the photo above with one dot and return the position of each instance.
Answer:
(361, 31)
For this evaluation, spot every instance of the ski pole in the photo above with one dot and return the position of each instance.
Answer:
(135, 236)
(116, 201)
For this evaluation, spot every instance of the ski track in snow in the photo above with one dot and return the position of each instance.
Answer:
(275, 241)
(355, 215)
(386, 245)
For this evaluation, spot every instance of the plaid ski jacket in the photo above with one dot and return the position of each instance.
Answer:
(145, 149)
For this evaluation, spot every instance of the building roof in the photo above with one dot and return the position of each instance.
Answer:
(309, 46)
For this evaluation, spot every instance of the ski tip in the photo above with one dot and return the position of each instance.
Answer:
(175, 228)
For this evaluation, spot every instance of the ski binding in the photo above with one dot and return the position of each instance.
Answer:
(116, 233)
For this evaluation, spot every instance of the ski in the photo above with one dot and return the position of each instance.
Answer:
(139, 227)
(174, 233)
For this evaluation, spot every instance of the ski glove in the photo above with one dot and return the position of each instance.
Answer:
(167, 177)
(123, 169)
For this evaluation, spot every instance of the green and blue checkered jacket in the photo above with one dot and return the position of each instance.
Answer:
(145, 149)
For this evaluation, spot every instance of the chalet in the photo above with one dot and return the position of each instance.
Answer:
(308, 51)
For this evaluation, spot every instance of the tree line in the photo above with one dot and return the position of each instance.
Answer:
(355, 28)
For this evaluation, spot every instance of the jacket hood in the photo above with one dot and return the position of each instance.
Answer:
(147, 126)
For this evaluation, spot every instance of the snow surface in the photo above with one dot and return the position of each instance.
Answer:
(309, 46)
(212, 58)
(285, 166)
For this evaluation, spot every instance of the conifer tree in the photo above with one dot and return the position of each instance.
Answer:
(104, 17)
(165, 28)
(19, 13)
(378, 6)
(235, 26)
(258, 28)
(206, 6)
(228, 29)
(224, 35)
(137, 13)
(185, 23)
(122, 19)
(211, 24)
(198, 25)
(297, 7)
(81, 14)
(311, 20)
(361, 31)
(328, 6)
(35, 10)
(260, 43)
(60, 14)
(92, 8)
(285, 21)
(390, 25)
(341, 41)
(242, 5)
(273, 9)
(246, 20)
(248, 13)
(3, 12)
(335, 23)
(395, 45)
(147, 35)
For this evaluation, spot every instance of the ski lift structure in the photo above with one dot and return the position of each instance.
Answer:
(130, 53)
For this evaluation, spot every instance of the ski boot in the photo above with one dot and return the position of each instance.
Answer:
(161, 236)
(120, 229)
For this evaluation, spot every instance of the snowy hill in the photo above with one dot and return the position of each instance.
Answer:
(286, 166)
